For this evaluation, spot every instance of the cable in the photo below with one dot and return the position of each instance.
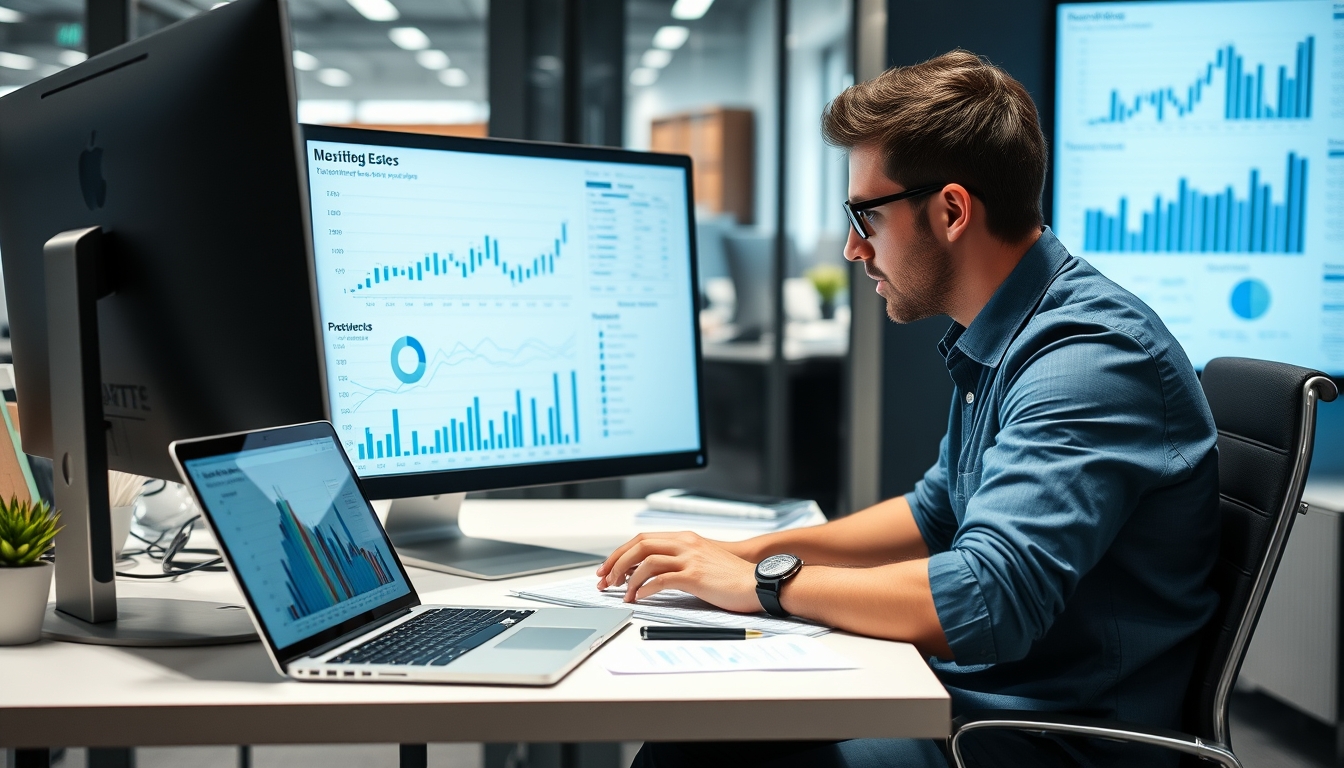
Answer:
(168, 555)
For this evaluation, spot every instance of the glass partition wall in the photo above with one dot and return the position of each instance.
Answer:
(740, 85)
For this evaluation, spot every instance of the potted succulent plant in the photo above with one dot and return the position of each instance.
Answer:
(26, 533)
(829, 280)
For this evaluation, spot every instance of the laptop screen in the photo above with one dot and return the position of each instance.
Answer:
(301, 537)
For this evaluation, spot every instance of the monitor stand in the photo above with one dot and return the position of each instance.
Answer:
(87, 609)
(425, 533)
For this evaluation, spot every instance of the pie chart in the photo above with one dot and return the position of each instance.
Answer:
(1250, 299)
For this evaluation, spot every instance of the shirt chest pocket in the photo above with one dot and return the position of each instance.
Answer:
(967, 484)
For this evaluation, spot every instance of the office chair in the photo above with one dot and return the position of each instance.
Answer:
(1266, 418)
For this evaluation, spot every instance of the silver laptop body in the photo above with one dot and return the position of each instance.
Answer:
(324, 586)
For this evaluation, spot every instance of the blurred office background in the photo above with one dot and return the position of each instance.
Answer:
(737, 84)
(841, 406)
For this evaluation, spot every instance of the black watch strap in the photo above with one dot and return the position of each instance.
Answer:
(769, 597)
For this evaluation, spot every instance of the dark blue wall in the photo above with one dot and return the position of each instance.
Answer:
(916, 387)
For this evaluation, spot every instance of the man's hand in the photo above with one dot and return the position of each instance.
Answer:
(653, 562)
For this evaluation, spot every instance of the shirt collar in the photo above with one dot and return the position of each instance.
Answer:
(989, 335)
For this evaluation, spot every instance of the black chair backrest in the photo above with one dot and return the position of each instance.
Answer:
(1265, 414)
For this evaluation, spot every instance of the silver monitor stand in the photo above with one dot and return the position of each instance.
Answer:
(425, 532)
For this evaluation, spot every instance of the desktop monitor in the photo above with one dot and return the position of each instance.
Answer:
(183, 148)
(751, 262)
(1199, 148)
(501, 313)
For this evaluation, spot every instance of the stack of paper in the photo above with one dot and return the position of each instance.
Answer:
(782, 653)
(670, 607)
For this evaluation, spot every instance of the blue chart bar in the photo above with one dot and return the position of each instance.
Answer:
(453, 265)
(1196, 222)
(325, 567)
(477, 430)
(1245, 91)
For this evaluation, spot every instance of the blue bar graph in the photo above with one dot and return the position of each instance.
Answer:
(325, 567)
(452, 265)
(1198, 222)
(475, 431)
(1245, 91)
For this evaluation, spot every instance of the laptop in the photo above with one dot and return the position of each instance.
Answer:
(326, 590)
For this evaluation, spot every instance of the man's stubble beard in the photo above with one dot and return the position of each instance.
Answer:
(923, 290)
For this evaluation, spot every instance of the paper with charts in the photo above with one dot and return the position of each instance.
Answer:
(670, 607)
(781, 653)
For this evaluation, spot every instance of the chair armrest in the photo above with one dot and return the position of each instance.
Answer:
(1069, 725)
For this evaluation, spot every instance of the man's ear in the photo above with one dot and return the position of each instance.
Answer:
(957, 211)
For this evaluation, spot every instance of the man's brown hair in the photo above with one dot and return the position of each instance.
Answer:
(954, 118)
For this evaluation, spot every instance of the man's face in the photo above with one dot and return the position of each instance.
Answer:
(913, 270)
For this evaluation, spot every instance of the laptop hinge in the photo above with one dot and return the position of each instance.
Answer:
(354, 633)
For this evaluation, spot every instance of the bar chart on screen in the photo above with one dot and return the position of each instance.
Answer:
(472, 321)
(313, 555)
(1199, 163)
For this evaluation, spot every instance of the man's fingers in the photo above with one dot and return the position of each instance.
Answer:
(667, 580)
(639, 552)
(605, 567)
(653, 566)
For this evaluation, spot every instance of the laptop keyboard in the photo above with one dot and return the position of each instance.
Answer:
(433, 638)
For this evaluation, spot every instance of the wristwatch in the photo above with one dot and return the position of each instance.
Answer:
(771, 573)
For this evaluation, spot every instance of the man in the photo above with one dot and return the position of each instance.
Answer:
(1056, 556)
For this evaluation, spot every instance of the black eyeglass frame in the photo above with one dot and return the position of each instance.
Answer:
(854, 211)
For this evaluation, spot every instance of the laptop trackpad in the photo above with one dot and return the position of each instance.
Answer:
(546, 639)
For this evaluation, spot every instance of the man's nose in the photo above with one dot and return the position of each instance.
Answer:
(856, 248)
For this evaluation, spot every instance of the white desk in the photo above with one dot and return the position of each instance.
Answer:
(59, 694)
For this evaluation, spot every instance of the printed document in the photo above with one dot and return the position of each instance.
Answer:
(783, 653)
(669, 607)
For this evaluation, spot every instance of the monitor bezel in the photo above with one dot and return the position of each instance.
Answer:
(541, 473)
(184, 451)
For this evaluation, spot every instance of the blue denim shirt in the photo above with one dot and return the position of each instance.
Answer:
(1072, 516)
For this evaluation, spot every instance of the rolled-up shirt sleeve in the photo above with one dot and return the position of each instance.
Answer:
(1072, 456)
(932, 507)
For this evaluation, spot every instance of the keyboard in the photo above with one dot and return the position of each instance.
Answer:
(433, 638)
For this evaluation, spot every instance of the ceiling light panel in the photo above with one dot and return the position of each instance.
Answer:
(644, 76)
(336, 78)
(656, 58)
(671, 37)
(379, 10)
(305, 61)
(687, 10)
(409, 38)
(454, 78)
(433, 59)
(16, 60)
(9, 15)
(71, 58)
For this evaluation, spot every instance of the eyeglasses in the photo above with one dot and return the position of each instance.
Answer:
(858, 212)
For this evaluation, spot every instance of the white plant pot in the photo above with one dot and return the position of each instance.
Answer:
(121, 528)
(23, 602)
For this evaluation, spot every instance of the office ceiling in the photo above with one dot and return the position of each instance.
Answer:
(330, 30)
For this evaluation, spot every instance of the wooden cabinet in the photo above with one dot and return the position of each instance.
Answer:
(721, 143)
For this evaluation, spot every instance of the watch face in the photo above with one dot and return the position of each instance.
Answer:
(776, 566)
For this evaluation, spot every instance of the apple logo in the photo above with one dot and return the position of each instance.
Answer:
(91, 181)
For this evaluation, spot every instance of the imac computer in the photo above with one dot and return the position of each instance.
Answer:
(499, 314)
(1198, 161)
(154, 232)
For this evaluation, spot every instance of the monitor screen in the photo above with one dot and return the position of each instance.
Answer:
(1199, 162)
(300, 536)
(492, 305)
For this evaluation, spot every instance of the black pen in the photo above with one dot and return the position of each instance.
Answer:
(698, 633)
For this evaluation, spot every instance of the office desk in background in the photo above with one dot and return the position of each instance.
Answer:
(61, 694)
(736, 379)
